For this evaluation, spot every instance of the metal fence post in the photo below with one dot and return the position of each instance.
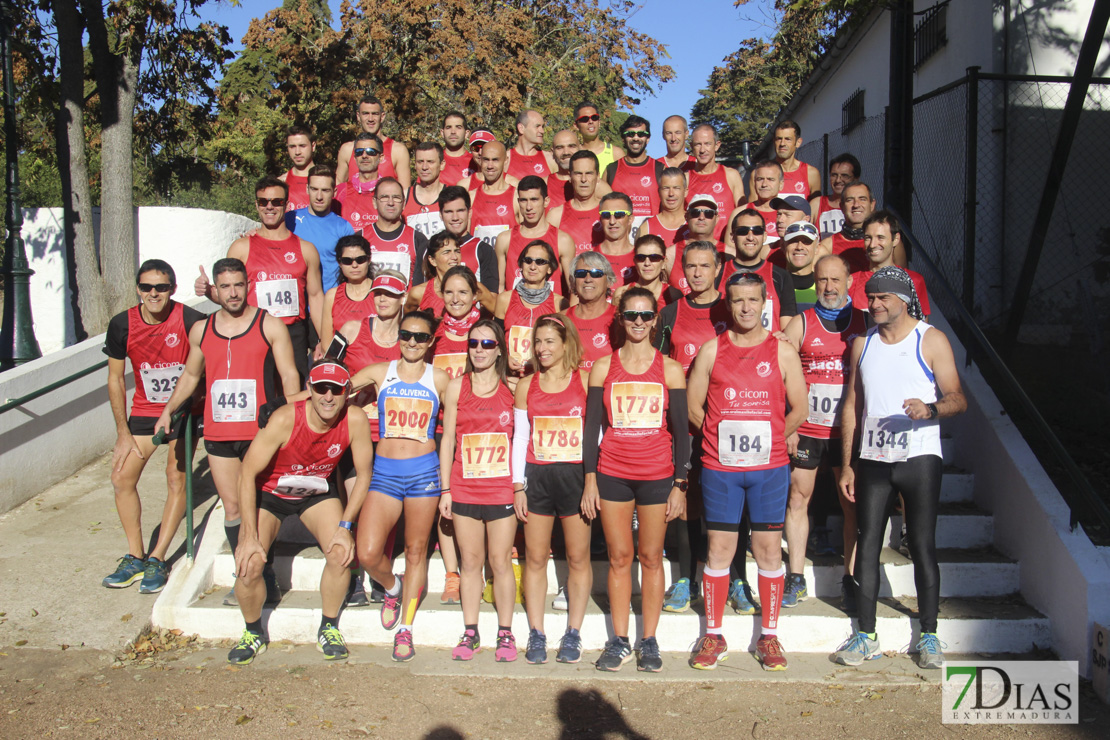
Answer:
(189, 535)
(971, 153)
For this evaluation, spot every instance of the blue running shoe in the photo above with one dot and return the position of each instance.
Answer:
(795, 591)
(929, 653)
(570, 647)
(858, 648)
(129, 570)
(740, 597)
(536, 652)
(677, 598)
(155, 574)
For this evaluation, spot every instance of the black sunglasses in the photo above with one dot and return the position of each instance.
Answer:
(741, 277)
(702, 212)
(325, 387)
(636, 135)
(744, 230)
(595, 272)
(160, 287)
(587, 119)
(263, 202)
(631, 316)
(484, 343)
(362, 259)
(367, 150)
(650, 258)
(420, 336)
(541, 261)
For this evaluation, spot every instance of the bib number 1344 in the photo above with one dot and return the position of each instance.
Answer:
(886, 440)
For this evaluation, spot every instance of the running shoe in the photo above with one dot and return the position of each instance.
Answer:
(391, 608)
(740, 598)
(451, 590)
(821, 543)
(858, 648)
(356, 592)
(848, 595)
(468, 646)
(330, 642)
(250, 645)
(677, 598)
(929, 653)
(795, 591)
(649, 658)
(273, 591)
(230, 599)
(536, 652)
(506, 647)
(617, 652)
(769, 652)
(129, 570)
(560, 602)
(570, 647)
(155, 574)
(403, 651)
(713, 650)
(377, 593)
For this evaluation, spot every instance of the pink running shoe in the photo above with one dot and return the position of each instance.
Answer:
(506, 647)
(403, 651)
(468, 646)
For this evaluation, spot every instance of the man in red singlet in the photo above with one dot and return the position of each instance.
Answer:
(827, 215)
(669, 224)
(709, 176)
(578, 216)
(152, 335)
(245, 358)
(395, 245)
(559, 188)
(300, 145)
(799, 178)
(615, 212)
(531, 198)
(701, 225)
(288, 471)
(675, 133)
(789, 209)
(355, 195)
(882, 236)
(527, 156)
(766, 185)
(779, 305)
(422, 204)
(858, 204)
(456, 155)
(636, 174)
(478, 255)
(282, 270)
(587, 119)
(494, 201)
(395, 155)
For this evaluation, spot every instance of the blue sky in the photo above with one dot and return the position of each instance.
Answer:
(698, 34)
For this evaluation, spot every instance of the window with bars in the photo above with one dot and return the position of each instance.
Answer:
(930, 35)
(851, 113)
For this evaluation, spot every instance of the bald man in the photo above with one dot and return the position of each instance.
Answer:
(494, 201)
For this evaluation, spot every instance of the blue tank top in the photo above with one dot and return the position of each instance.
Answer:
(408, 410)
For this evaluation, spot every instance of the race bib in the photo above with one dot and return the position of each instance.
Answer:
(520, 344)
(485, 455)
(399, 261)
(489, 233)
(886, 439)
(636, 405)
(159, 382)
(454, 364)
(744, 443)
(406, 417)
(300, 486)
(824, 404)
(233, 400)
(557, 438)
(280, 298)
(428, 224)
(767, 315)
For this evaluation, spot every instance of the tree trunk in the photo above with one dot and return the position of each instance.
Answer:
(90, 309)
(118, 248)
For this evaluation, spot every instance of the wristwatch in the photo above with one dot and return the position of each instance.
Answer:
(933, 413)
(681, 485)
(349, 526)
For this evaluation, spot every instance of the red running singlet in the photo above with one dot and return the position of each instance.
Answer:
(492, 214)
(157, 353)
(365, 351)
(669, 236)
(302, 466)
(235, 371)
(517, 242)
(398, 253)
(558, 191)
(344, 309)
(519, 320)
(457, 168)
(277, 276)
(638, 183)
(483, 435)
(623, 266)
(796, 182)
(597, 335)
(677, 277)
(716, 185)
(824, 355)
(772, 306)
(356, 203)
(556, 421)
(385, 162)
(637, 442)
(449, 355)
(520, 165)
(583, 227)
(694, 325)
(298, 191)
(852, 250)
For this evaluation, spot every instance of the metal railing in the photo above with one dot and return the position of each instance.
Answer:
(12, 403)
(1081, 494)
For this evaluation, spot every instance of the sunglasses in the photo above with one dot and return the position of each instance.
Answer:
(636, 135)
(159, 287)
(595, 272)
(368, 150)
(745, 230)
(742, 277)
(702, 212)
(587, 119)
(650, 258)
(263, 202)
(324, 388)
(541, 261)
(483, 343)
(631, 316)
(420, 336)
(362, 259)
(618, 215)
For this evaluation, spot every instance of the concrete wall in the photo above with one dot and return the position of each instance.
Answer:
(184, 237)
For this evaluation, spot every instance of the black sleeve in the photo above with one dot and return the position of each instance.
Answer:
(191, 316)
(680, 434)
(421, 243)
(610, 173)
(784, 286)
(659, 167)
(595, 413)
(667, 317)
(115, 340)
(487, 265)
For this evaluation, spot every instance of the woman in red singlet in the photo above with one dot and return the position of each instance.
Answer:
(531, 297)
(350, 300)
(548, 480)
(444, 252)
(641, 467)
(478, 486)
(649, 257)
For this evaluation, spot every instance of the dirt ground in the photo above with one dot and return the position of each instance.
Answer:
(188, 691)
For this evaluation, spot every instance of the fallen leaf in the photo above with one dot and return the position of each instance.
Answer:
(64, 646)
(875, 696)
(92, 721)
(126, 617)
(20, 643)
(807, 714)
(243, 719)
(465, 693)
(34, 612)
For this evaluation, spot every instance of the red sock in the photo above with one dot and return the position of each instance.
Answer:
(770, 596)
(715, 590)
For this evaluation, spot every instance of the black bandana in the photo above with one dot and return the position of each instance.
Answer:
(854, 234)
(896, 281)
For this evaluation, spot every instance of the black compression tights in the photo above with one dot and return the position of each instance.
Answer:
(877, 488)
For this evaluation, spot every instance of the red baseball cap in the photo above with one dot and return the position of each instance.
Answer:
(329, 372)
(389, 284)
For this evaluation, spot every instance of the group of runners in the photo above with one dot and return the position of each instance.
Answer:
(632, 347)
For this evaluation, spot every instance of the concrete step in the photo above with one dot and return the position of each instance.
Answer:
(984, 625)
(963, 572)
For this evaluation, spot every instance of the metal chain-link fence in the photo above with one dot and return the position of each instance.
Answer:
(866, 141)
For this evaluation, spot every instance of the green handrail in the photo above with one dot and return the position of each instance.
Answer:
(12, 403)
(186, 414)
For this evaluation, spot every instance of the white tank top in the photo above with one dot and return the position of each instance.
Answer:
(892, 373)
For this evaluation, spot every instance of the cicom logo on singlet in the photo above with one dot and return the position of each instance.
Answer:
(260, 277)
(504, 418)
(291, 257)
(334, 450)
(599, 340)
(502, 210)
(730, 394)
(691, 349)
(626, 272)
(763, 369)
(403, 248)
(296, 466)
(645, 181)
(144, 366)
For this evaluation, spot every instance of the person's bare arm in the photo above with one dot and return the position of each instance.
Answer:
(314, 286)
(814, 181)
(823, 247)
(502, 306)
(328, 330)
(189, 380)
(938, 355)
(697, 384)
(447, 444)
(401, 165)
(342, 160)
(501, 249)
(565, 250)
(794, 330)
(790, 365)
(555, 216)
(362, 452)
(735, 184)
